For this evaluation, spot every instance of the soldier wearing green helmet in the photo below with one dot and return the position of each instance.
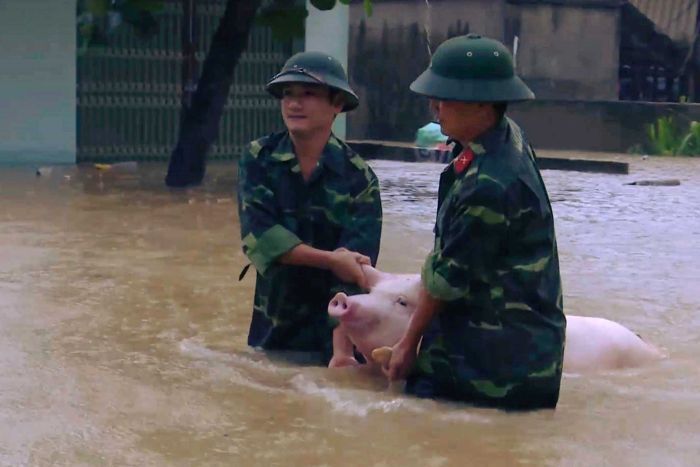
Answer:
(490, 314)
(309, 209)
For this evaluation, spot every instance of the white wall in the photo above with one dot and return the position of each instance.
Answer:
(37, 81)
(328, 31)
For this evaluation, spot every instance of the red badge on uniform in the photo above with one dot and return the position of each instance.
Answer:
(462, 161)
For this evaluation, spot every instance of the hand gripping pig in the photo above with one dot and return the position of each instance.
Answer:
(375, 321)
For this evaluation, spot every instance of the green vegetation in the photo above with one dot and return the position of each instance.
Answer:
(98, 19)
(690, 145)
(667, 138)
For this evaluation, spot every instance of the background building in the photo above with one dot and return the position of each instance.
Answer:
(37, 82)
(580, 57)
(603, 70)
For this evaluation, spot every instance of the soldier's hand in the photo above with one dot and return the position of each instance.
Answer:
(347, 266)
(403, 357)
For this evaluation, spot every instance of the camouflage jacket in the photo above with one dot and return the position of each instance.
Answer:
(339, 206)
(499, 340)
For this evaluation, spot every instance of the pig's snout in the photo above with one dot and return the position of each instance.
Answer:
(338, 306)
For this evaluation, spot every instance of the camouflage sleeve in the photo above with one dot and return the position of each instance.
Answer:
(469, 245)
(263, 238)
(363, 232)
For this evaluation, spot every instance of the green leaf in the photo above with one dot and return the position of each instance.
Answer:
(367, 5)
(286, 22)
(323, 5)
(98, 8)
(667, 139)
(690, 145)
(143, 22)
(686, 144)
(85, 32)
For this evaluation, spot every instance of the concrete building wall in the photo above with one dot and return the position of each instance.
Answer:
(388, 50)
(482, 16)
(567, 52)
(612, 126)
(38, 81)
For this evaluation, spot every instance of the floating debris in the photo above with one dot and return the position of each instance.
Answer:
(120, 166)
(43, 171)
(671, 182)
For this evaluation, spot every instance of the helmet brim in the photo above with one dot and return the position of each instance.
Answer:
(277, 84)
(511, 89)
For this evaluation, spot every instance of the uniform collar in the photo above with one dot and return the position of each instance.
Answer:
(332, 157)
(488, 142)
(284, 150)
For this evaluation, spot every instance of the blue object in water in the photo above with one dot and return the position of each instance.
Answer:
(429, 135)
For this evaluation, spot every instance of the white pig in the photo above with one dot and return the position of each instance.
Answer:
(379, 318)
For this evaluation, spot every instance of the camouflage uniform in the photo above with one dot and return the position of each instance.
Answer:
(499, 340)
(339, 206)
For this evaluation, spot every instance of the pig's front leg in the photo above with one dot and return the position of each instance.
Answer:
(342, 350)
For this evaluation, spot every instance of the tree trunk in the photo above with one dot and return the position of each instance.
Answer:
(199, 125)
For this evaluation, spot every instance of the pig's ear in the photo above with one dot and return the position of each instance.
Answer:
(372, 275)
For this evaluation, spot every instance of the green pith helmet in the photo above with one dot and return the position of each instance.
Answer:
(472, 68)
(314, 68)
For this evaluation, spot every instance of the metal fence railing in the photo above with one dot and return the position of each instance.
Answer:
(129, 92)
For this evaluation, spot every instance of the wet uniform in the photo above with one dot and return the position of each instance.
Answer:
(339, 206)
(499, 339)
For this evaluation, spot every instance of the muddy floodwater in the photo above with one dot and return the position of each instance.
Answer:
(123, 329)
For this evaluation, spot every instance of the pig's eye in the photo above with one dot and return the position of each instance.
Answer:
(401, 301)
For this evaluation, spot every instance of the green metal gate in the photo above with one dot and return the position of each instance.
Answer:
(129, 92)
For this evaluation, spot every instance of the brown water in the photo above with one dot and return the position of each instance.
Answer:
(123, 326)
